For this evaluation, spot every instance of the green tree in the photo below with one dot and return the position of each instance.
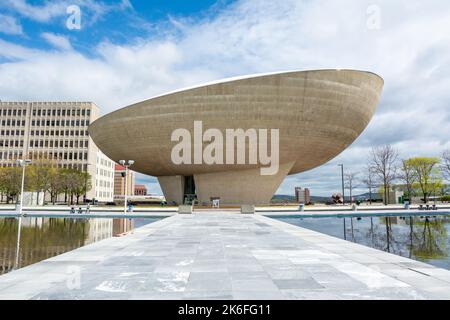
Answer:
(82, 184)
(427, 174)
(39, 175)
(10, 179)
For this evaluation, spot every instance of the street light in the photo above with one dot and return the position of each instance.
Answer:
(126, 164)
(23, 164)
(343, 197)
(342, 177)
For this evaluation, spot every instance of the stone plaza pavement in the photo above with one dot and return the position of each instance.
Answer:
(226, 256)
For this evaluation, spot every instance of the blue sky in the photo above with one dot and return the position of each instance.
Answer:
(128, 51)
(114, 21)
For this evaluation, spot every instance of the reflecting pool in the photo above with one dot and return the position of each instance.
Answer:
(42, 237)
(423, 238)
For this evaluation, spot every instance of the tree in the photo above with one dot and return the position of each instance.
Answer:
(445, 167)
(408, 177)
(350, 183)
(383, 162)
(82, 184)
(55, 184)
(39, 175)
(427, 174)
(10, 180)
(369, 181)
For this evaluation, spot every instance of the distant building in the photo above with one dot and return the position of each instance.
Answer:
(140, 190)
(57, 131)
(119, 182)
(394, 196)
(302, 195)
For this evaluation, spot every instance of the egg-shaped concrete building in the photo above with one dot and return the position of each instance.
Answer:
(317, 114)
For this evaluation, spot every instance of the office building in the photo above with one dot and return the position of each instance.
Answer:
(56, 131)
(302, 195)
(140, 190)
(119, 181)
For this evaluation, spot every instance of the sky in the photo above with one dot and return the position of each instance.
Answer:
(121, 52)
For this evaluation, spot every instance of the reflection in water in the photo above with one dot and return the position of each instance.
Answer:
(420, 238)
(42, 237)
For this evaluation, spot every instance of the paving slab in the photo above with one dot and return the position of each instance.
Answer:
(223, 255)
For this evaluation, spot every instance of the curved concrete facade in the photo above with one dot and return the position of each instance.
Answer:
(318, 115)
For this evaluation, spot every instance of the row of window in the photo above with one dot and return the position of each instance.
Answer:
(105, 173)
(59, 143)
(14, 112)
(13, 122)
(12, 132)
(59, 133)
(105, 162)
(103, 194)
(61, 112)
(103, 183)
(62, 123)
(11, 143)
(13, 155)
(17, 154)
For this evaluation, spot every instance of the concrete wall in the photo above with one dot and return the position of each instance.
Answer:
(239, 187)
(173, 188)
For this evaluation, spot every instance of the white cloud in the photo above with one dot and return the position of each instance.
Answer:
(58, 41)
(9, 25)
(411, 51)
(42, 13)
(91, 10)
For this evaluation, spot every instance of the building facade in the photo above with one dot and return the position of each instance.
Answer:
(140, 190)
(57, 131)
(119, 181)
(302, 195)
(312, 115)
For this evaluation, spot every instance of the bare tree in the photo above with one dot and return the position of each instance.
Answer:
(383, 161)
(350, 182)
(369, 181)
(445, 165)
(408, 176)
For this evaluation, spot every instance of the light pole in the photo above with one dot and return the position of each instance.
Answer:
(126, 164)
(343, 197)
(342, 178)
(23, 164)
(85, 182)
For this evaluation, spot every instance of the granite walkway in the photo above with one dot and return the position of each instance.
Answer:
(226, 256)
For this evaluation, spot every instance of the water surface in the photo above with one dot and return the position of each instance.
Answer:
(45, 237)
(423, 238)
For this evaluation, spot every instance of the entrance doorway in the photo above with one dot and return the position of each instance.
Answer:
(190, 196)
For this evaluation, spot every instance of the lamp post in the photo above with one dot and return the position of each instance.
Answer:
(342, 179)
(23, 164)
(343, 197)
(126, 164)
